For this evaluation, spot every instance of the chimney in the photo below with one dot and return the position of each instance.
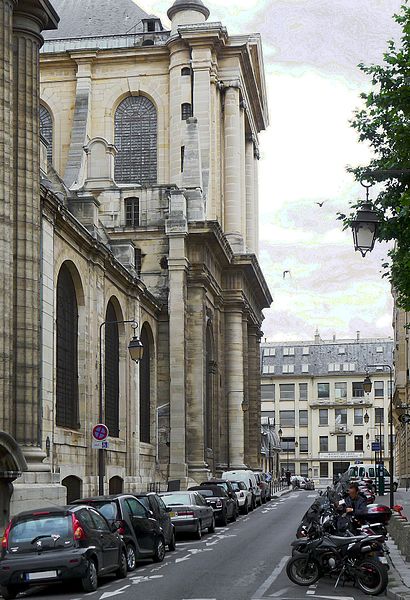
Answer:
(334, 337)
(317, 336)
(357, 335)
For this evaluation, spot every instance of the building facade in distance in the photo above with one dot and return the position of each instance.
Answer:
(314, 392)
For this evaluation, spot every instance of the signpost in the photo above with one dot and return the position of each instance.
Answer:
(100, 435)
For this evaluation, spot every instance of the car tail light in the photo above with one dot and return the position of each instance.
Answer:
(218, 504)
(185, 513)
(122, 528)
(78, 531)
(5, 539)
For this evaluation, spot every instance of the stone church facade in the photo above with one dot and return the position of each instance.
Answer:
(146, 211)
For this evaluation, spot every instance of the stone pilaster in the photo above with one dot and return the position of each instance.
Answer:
(256, 198)
(234, 385)
(29, 19)
(246, 395)
(251, 216)
(201, 65)
(6, 212)
(242, 202)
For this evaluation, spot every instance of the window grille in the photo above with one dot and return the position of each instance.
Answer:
(67, 352)
(111, 372)
(186, 111)
(46, 130)
(135, 127)
(132, 212)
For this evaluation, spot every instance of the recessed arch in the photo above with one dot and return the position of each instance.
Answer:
(146, 383)
(116, 485)
(74, 487)
(112, 367)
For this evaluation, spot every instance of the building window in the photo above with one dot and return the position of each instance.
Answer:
(288, 466)
(288, 444)
(341, 350)
(303, 391)
(304, 469)
(112, 372)
(288, 351)
(186, 111)
(135, 125)
(132, 212)
(145, 388)
(323, 416)
(150, 26)
(379, 415)
(358, 416)
(287, 391)
(182, 158)
(324, 469)
(341, 416)
(138, 261)
(46, 130)
(269, 352)
(358, 443)
(341, 443)
(185, 71)
(304, 444)
(379, 389)
(324, 443)
(305, 368)
(323, 390)
(303, 418)
(305, 351)
(148, 43)
(341, 389)
(268, 369)
(268, 392)
(67, 352)
(357, 389)
(288, 368)
(287, 418)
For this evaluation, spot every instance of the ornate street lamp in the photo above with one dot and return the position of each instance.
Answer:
(366, 418)
(367, 384)
(365, 225)
(136, 349)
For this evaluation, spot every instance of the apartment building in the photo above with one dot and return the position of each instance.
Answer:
(313, 392)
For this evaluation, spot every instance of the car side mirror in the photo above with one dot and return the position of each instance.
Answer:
(168, 509)
(115, 525)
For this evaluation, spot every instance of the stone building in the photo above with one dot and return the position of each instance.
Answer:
(147, 210)
(401, 398)
(313, 392)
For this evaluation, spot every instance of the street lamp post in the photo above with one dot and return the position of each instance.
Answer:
(367, 385)
(365, 225)
(136, 351)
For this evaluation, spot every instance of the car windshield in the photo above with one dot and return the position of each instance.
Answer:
(177, 499)
(208, 493)
(42, 532)
(235, 486)
(108, 509)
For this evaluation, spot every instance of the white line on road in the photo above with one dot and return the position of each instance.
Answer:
(114, 593)
(279, 593)
(178, 560)
(336, 597)
(268, 582)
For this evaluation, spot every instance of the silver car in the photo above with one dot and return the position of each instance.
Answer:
(189, 512)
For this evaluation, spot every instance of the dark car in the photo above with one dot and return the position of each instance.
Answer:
(226, 485)
(142, 535)
(225, 508)
(155, 504)
(189, 512)
(57, 544)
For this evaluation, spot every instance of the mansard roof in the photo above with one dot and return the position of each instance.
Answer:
(91, 18)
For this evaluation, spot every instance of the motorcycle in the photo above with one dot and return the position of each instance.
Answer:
(351, 558)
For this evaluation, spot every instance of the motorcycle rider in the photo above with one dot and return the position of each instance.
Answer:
(355, 502)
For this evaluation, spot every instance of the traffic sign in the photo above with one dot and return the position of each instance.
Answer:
(404, 419)
(375, 446)
(100, 432)
(100, 445)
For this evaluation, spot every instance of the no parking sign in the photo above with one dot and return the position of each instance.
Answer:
(100, 435)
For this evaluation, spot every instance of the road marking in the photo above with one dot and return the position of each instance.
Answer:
(178, 560)
(268, 582)
(311, 496)
(279, 593)
(114, 593)
(336, 597)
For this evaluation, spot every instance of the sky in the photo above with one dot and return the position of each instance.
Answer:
(311, 52)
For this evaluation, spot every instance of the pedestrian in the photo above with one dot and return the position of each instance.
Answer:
(288, 476)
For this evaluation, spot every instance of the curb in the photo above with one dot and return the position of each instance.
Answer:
(277, 495)
(396, 588)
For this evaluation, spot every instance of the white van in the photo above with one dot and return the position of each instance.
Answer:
(368, 471)
(249, 479)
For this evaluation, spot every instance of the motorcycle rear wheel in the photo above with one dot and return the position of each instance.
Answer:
(302, 570)
(371, 577)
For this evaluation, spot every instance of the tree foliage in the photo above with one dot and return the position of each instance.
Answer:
(384, 123)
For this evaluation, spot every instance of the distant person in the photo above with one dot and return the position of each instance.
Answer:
(288, 476)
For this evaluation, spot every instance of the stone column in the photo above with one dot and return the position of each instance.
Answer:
(201, 66)
(28, 21)
(246, 395)
(179, 92)
(251, 217)
(234, 386)
(242, 204)
(232, 204)
(6, 212)
(254, 396)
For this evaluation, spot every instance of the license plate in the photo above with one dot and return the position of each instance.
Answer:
(41, 575)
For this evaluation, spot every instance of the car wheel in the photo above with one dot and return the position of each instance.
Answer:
(245, 508)
(173, 543)
(121, 572)
(90, 579)
(131, 558)
(198, 533)
(9, 592)
(159, 554)
(224, 519)
(211, 528)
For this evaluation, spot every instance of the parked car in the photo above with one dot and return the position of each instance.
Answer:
(224, 507)
(189, 512)
(243, 495)
(249, 479)
(226, 485)
(368, 471)
(142, 535)
(57, 544)
(156, 505)
(264, 487)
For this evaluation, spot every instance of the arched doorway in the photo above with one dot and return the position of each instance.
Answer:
(12, 464)
(116, 485)
(74, 488)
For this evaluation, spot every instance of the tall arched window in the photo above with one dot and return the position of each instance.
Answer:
(145, 388)
(112, 372)
(209, 389)
(135, 126)
(46, 130)
(67, 351)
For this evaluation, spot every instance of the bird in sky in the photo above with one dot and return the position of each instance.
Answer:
(286, 273)
(321, 203)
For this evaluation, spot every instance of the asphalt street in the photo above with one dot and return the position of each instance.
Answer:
(244, 561)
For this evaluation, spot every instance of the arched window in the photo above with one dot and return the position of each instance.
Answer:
(186, 111)
(185, 71)
(74, 488)
(116, 485)
(46, 130)
(209, 389)
(67, 351)
(145, 388)
(112, 372)
(136, 141)
(148, 43)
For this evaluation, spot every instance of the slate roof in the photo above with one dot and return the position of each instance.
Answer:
(90, 18)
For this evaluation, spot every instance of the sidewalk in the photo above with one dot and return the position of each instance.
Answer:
(399, 573)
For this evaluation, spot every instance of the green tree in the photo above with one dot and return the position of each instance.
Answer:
(384, 123)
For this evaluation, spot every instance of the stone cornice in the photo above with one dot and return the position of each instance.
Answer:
(204, 34)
